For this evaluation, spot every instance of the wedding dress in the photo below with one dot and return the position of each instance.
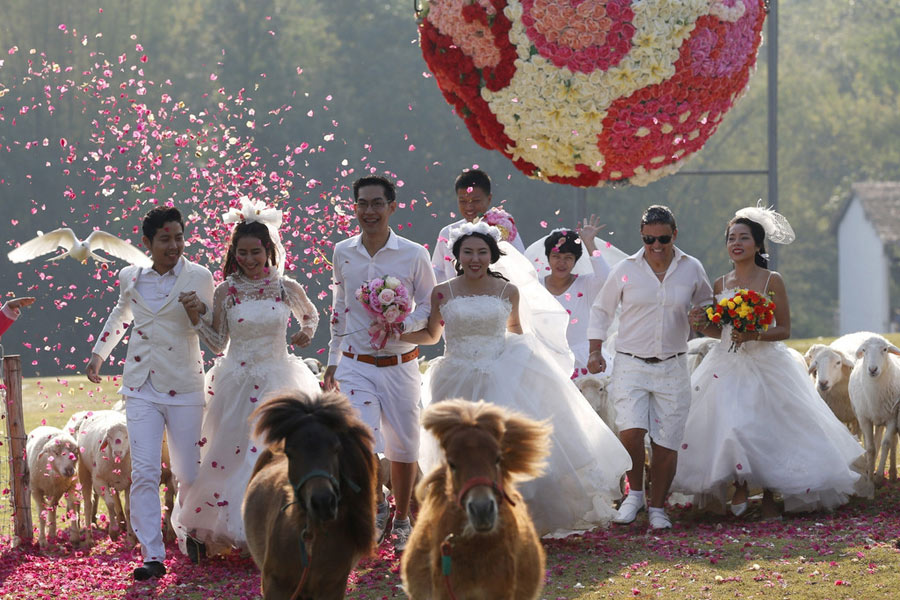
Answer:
(482, 361)
(249, 323)
(756, 417)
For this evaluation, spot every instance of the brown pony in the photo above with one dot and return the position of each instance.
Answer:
(309, 509)
(474, 538)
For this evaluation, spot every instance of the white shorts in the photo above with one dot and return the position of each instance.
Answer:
(387, 399)
(654, 397)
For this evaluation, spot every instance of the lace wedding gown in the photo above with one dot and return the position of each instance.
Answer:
(482, 361)
(249, 323)
(756, 417)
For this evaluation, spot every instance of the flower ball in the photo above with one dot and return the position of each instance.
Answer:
(588, 92)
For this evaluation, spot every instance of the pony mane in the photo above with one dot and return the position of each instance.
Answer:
(281, 416)
(526, 446)
(443, 417)
(524, 442)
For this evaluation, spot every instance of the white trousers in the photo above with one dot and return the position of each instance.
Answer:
(146, 422)
(387, 399)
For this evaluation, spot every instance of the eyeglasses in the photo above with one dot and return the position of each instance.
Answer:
(374, 205)
(651, 239)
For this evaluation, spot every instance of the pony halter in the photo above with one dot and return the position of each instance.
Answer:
(477, 481)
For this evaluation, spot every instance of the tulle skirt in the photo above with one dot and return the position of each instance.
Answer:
(210, 509)
(587, 460)
(756, 418)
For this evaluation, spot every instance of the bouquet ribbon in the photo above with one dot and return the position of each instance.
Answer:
(381, 331)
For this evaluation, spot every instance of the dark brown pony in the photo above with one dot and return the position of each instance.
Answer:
(474, 538)
(309, 509)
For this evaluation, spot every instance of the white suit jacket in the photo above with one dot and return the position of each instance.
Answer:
(163, 345)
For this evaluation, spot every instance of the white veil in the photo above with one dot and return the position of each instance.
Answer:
(539, 312)
(538, 257)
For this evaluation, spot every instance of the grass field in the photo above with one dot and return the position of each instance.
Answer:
(849, 554)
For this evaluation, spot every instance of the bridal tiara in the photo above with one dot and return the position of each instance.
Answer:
(467, 229)
(777, 228)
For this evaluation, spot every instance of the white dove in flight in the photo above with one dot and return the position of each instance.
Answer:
(78, 249)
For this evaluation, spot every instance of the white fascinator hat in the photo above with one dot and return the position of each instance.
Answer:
(777, 228)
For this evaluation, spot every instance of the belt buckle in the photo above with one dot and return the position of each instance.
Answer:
(652, 360)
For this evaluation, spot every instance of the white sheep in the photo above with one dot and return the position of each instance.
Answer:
(831, 366)
(874, 393)
(594, 389)
(314, 365)
(74, 423)
(51, 456)
(104, 467)
(698, 348)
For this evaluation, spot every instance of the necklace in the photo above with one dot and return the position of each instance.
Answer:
(661, 272)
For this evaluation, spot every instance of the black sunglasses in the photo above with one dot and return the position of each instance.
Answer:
(651, 239)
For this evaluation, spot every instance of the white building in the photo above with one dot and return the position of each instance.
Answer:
(868, 237)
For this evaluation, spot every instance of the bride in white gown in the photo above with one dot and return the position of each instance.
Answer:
(487, 357)
(248, 322)
(756, 420)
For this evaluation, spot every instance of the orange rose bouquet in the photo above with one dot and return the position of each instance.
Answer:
(746, 310)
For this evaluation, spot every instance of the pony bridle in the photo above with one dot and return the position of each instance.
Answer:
(323, 474)
(305, 535)
(486, 481)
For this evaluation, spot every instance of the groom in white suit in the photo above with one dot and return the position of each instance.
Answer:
(162, 379)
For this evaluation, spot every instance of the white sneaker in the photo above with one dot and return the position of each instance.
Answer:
(739, 508)
(628, 510)
(660, 520)
(382, 514)
(400, 533)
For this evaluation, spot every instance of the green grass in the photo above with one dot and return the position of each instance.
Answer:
(52, 400)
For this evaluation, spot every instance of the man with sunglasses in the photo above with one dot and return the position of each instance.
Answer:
(651, 385)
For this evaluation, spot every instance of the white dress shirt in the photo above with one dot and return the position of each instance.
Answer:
(352, 267)
(442, 257)
(654, 318)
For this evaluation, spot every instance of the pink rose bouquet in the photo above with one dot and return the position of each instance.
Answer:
(503, 221)
(387, 300)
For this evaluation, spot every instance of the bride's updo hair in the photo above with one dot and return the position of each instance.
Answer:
(759, 237)
(496, 252)
(248, 229)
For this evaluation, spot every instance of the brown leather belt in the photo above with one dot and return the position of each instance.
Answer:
(652, 360)
(384, 361)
